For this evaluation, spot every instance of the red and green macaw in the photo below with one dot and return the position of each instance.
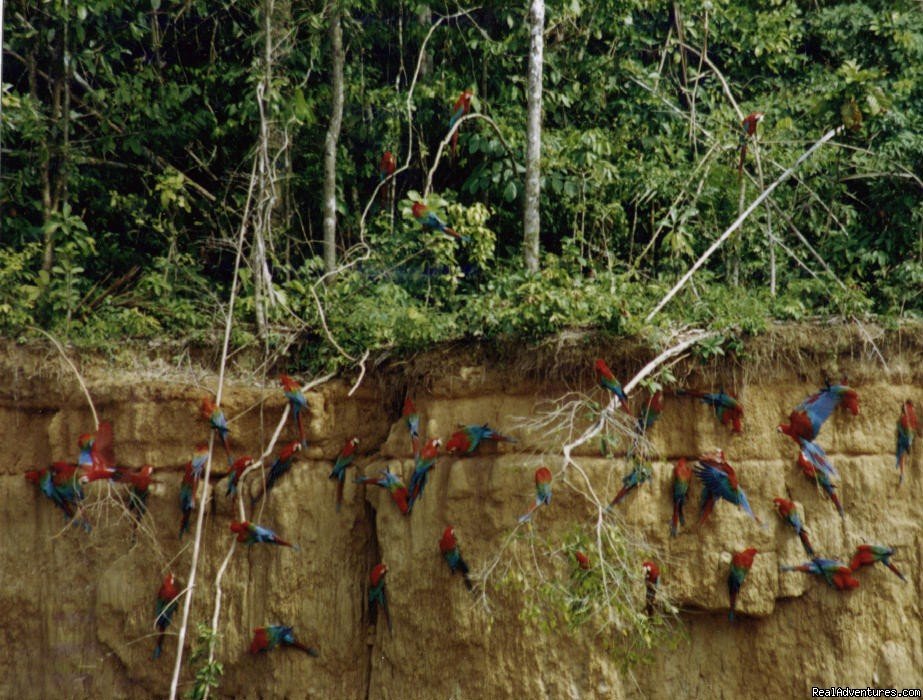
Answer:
(727, 408)
(413, 424)
(747, 131)
(386, 167)
(719, 481)
(807, 419)
(820, 477)
(543, 481)
(814, 454)
(459, 109)
(640, 472)
(870, 554)
(907, 424)
(139, 487)
(60, 484)
(741, 563)
(788, 511)
(583, 561)
(651, 580)
(378, 598)
(166, 606)
(650, 412)
(448, 545)
(237, 470)
(187, 496)
(97, 458)
(469, 437)
(199, 460)
(835, 573)
(424, 462)
(272, 636)
(251, 533)
(392, 482)
(279, 467)
(682, 477)
(296, 401)
(343, 461)
(218, 423)
(608, 381)
(427, 218)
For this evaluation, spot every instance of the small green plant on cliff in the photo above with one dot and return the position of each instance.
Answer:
(208, 675)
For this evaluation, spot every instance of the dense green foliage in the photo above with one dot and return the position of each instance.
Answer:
(129, 130)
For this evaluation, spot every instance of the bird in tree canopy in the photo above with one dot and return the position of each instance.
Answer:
(395, 487)
(810, 415)
(747, 131)
(719, 481)
(741, 563)
(425, 461)
(608, 381)
(448, 545)
(297, 401)
(906, 426)
(427, 218)
(409, 414)
(218, 423)
(237, 470)
(651, 579)
(640, 472)
(461, 107)
(272, 636)
(378, 598)
(543, 480)
(682, 477)
(789, 513)
(279, 467)
(165, 607)
(835, 573)
(251, 533)
(97, 457)
(727, 408)
(469, 437)
(870, 554)
(820, 477)
(343, 461)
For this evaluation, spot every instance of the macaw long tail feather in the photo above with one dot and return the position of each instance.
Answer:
(675, 521)
(806, 542)
(894, 569)
(310, 651)
(740, 163)
(158, 649)
(620, 495)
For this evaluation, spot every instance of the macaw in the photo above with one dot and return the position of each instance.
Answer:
(60, 484)
(869, 554)
(413, 424)
(427, 219)
(392, 482)
(727, 408)
(640, 472)
(789, 513)
(187, 496)
(906, 426)
(650, 412)
(719, 481)
(199, 460)
(378, 598)
(343, 461)
(814, 453)
(459, 109)
(543, 480)
(748, 130)
(250, 533)
(218, 423)
(741, 562)
(821, 478)
(835, 573)
(272, 636)
(237, 470)
(166, 606)
(651, 579)
(386, 167)
(608, 381)
(809, 416)
(448, 545)
(297, 401)
(425, 461)
(139, 488)
(682, 476)
(97, 458)
(469, 437)
(583, 561)
(279, 467)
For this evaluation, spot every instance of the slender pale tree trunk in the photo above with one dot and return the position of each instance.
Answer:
(333, 137)
(531, 214)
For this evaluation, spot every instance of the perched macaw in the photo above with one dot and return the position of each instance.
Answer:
(60, 484)
(906, 426)
(96, 454)
(869, 554)
(583, 561)
(651, 579)
(835, 573)
(650, 412)
(297, 401)
(741, 562)
(378, 598)
(343, 461)
(814, 453)
(682, 477)
(747, 131)
(727, 408)
(139, 487)
(166, 606)
(543, 480)
(413, 424)
(279, 467)
(237, 469)
(251, 533)
(199, 460)
(427, 218)
(789, 513)
(719, 481)
(448, 545)
(808, 418)
(469, 437)
(392, 482)
(272, 636)
(425, 461)
(608, 381)
(386, 167)
(822, 479)
(187, 496)
(459, 109)
(218, 423)
(640, 472)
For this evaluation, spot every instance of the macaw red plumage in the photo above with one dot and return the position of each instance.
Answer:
(788, 511)
(424, 462)
(748, 130)
(820, 477)
(650, 412)
(727, 408)
(378, 597)
(741, 563)
(97, 457)
(543, 481)
(835, 573)
(139, 487)
(409, 414)
(60, 484)
(470, 437)
(651, 580)
(279, 467)
(395, 487)
(428, 219)
(218, 423)
(640, 472)
(907, 425)
(272, 636)
(237, 470)
(810, 415)
(296, 401)
(187, 496)
(165, 607)
(870, 554)
(607, 381)
(448, 545)
(719, 481)
(386, 168)
(583, 561)
(461, 107)
(251, 533)
(682, 478)
(343, 461)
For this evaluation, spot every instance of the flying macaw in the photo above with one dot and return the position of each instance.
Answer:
(543, 480)
(906, 426)
(218, 423)
(719, 481)
(343, 461)
(279, 467)
(747, 131)
(166, 606)
(789, 513)
(427, 218)
(187, 496)
(386, 167)
(835, 573)
(272, 636)
(413, 424)
(297, 401)
(741, 562)
(814, 453)
(237, 470)
(821, 478)
(583, 561)
(869, 554)
(727, 408)
(448, 545)
(651, 579)
(378, 598)
(392, 482)
(139, 488)
(469, 437)
(97, 458)
(682, 477)
(640, 472)
(459, 109)
(425, 461)
(650, 412)
(251, 533)
(809, 416)
(608, 381)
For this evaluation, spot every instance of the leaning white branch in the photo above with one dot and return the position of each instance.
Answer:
(83, 386)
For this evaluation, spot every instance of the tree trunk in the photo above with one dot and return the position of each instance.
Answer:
(330, 142)
(531, 214)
